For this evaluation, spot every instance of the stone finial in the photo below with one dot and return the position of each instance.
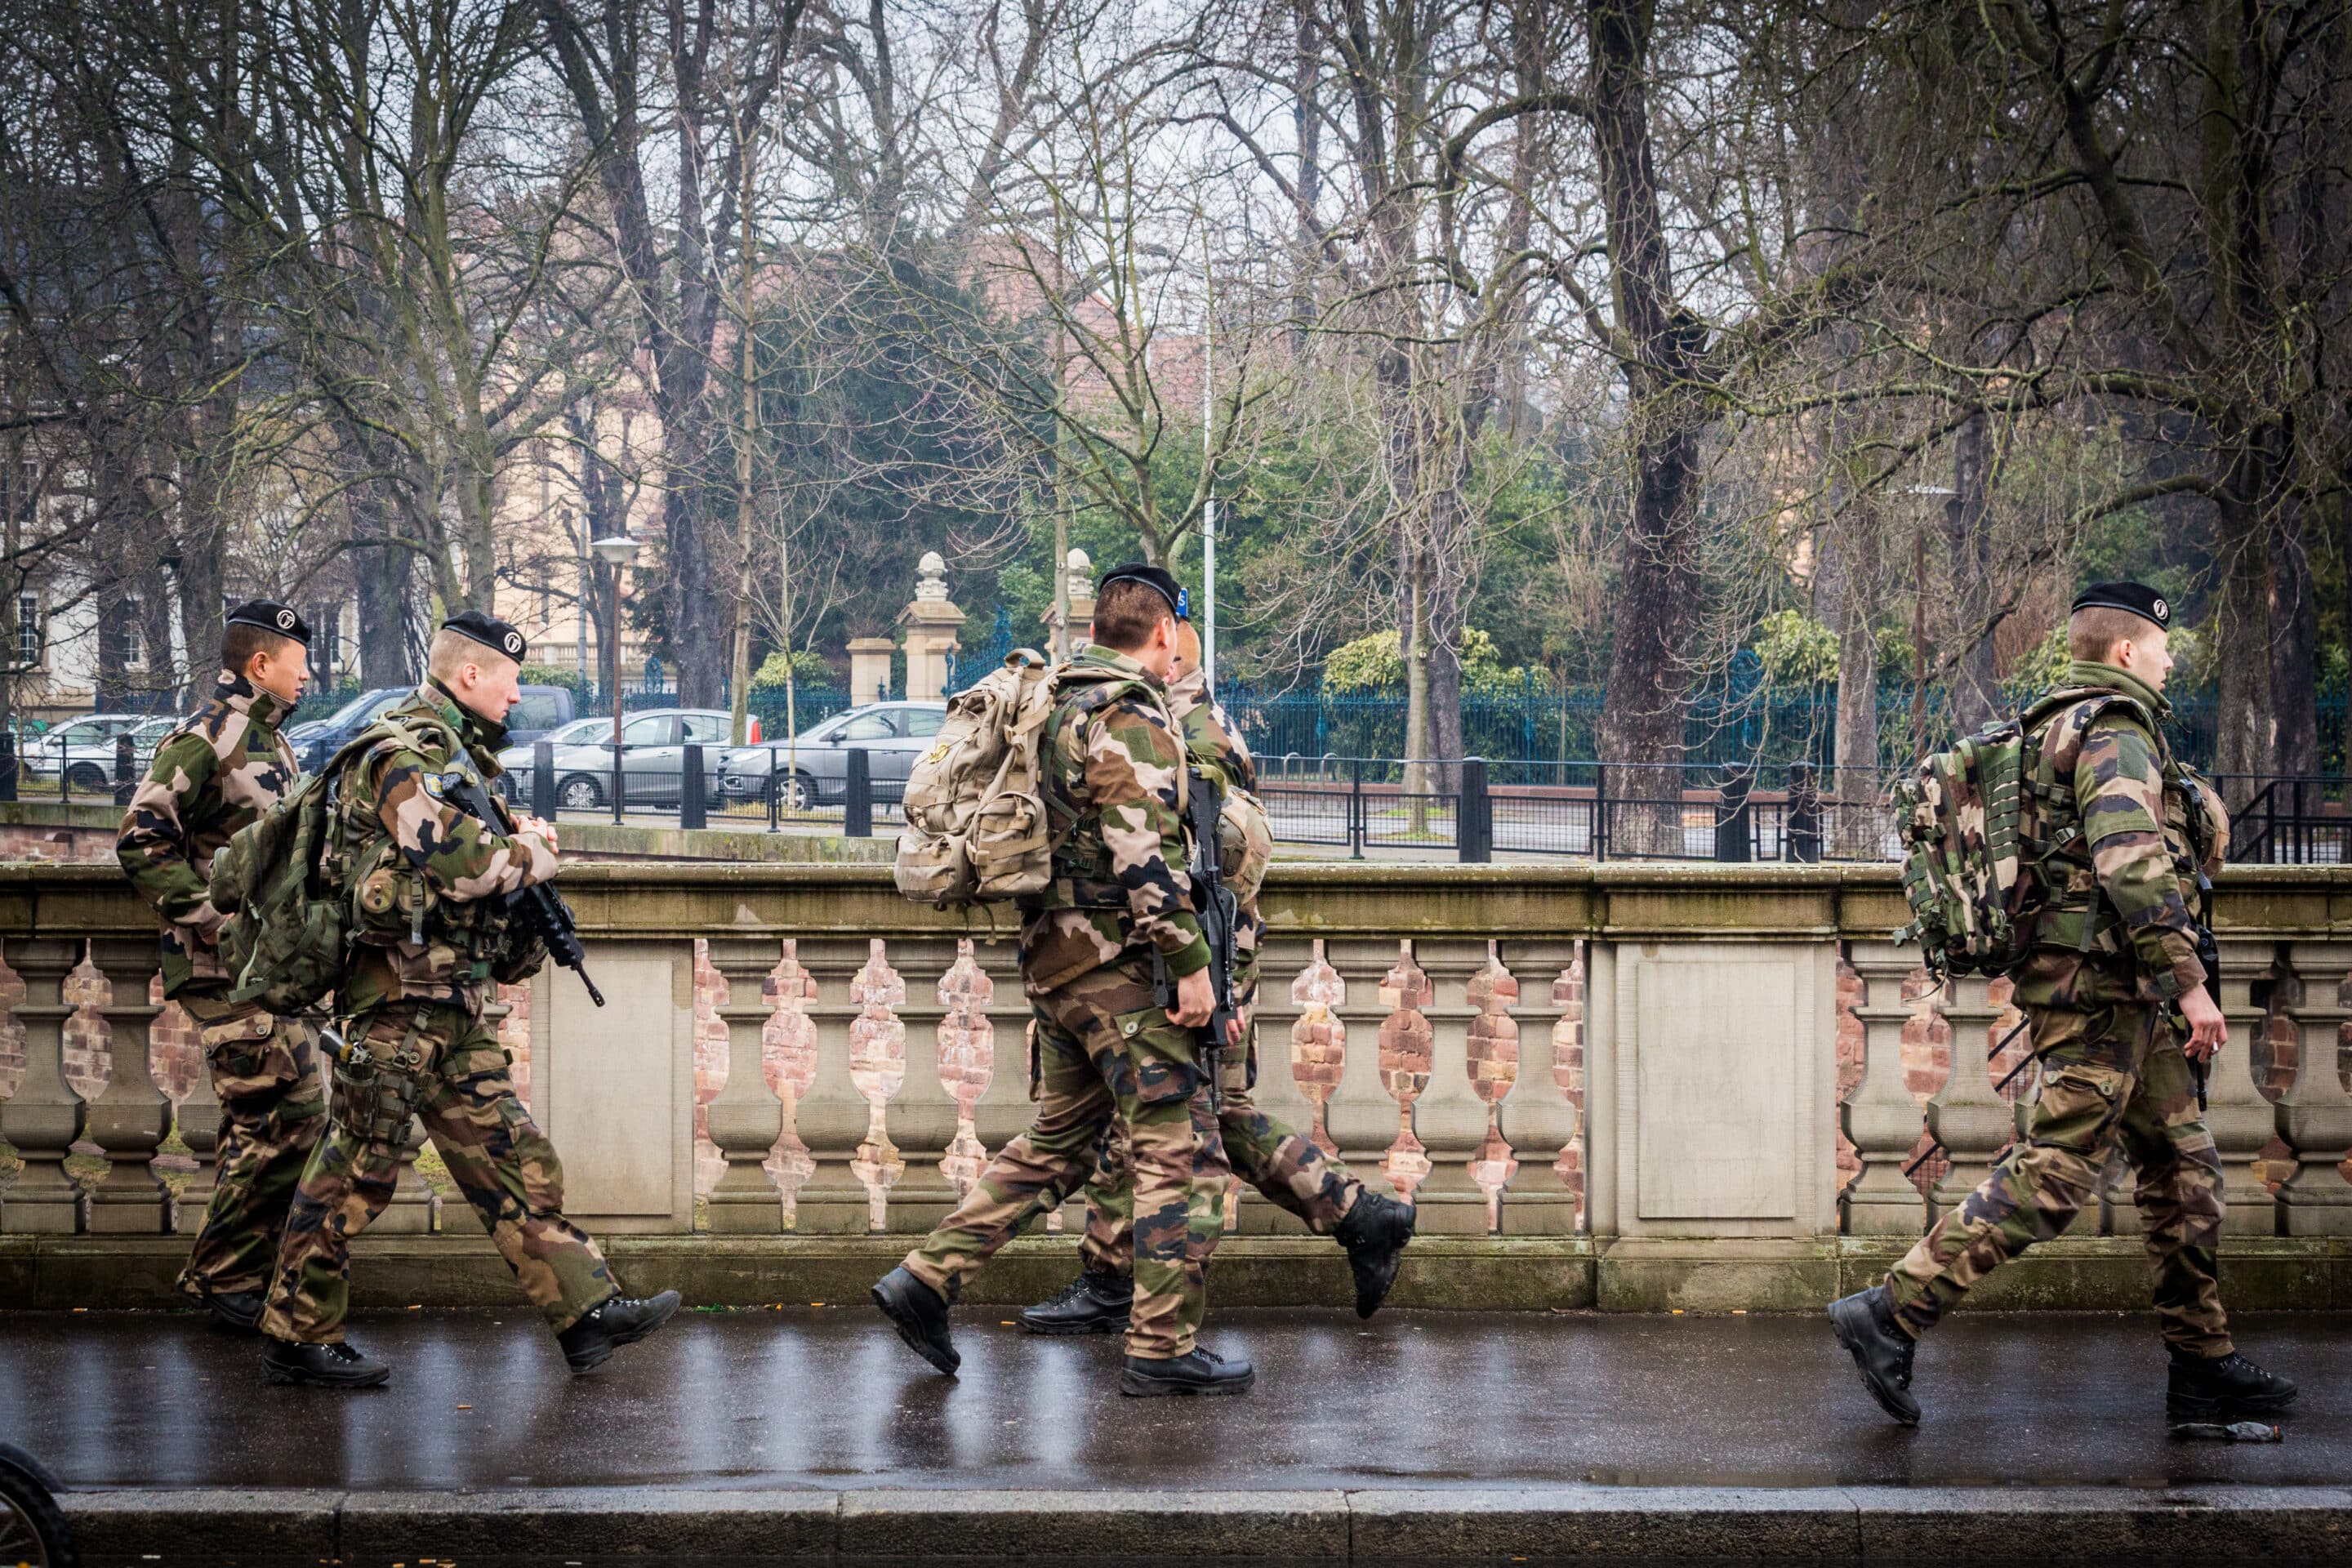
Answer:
(1080, 570)
(932, 578)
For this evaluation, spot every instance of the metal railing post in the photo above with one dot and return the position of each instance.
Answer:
(1801, 838)
(125, 779)
(1474, 839)
(858, 797)
(1599, 835)
(542, 780)
(774, 795)
(7, 764)
(1355, 808)
(693, 805)
(620, 780)
(1735, 824)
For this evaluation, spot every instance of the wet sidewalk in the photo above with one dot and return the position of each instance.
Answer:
(809, 1435)
(828, 1397)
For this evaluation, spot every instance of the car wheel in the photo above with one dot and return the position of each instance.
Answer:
(800, 793)
(87, 776)
(580, 793)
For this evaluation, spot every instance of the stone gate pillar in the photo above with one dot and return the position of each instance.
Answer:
(930, 622)
(869, 669)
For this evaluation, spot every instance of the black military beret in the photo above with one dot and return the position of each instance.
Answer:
(491, 632)
(271, 616)
(1157, 579)
(2137, 598)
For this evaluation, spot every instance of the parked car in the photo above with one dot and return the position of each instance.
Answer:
(653, 755)
(814, 767)
(83, 750)
(541, 710)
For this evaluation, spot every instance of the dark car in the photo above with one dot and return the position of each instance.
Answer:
(541, 709)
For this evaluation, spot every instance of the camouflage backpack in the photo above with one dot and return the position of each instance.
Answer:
(282, 877)
(1977, 822)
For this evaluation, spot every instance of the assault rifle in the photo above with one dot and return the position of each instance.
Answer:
(539, 909)
(1218, 911)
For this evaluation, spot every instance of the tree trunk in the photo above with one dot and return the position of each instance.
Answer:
(1974, 686)
(1851, 567)
(2294, 649)
(380, 569)
(1658, 592)
(2241, 639)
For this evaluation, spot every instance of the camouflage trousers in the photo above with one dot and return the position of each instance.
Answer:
(2111, 1078)
(1107, 1054)
(1286, 1167)
(433, 1060)
(266, 1072)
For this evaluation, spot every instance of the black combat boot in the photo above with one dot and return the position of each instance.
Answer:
(1374, 1232)
(920, 1315)
(1093, 1303)
(613, 1322)
(1196, 1372)
(2211, 1388)
(1866, 1326)
(321, 1366)
(238, 1310)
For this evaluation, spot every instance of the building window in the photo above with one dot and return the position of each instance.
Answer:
(28, 630)
(121, 634)
(330, 637)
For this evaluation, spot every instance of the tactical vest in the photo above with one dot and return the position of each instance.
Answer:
(392, 901)
(2074, 914)
(1084, 878)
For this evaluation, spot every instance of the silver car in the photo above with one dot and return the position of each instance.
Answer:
(84, 750)
(653, 753)
(814, 767)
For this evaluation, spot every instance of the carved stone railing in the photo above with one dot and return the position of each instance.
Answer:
(1636, 1063)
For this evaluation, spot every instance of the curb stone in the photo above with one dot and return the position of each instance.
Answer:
(2203, 1525)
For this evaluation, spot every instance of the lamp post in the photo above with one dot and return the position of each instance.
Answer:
(616, 553)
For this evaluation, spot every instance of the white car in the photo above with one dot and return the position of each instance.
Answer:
(84, 750)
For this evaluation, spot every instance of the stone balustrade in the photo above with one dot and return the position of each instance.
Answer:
(1612, 1085)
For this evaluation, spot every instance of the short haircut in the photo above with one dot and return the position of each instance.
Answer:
(240, 642)
(1125, 614)
(449, 649)
(2093, 631)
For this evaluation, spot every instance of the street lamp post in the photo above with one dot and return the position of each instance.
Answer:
(616, 552)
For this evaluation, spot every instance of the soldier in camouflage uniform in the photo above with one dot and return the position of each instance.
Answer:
(1289, 1168)
(225, 765)
(430, 886)
(2114, 968)
(1117, 914)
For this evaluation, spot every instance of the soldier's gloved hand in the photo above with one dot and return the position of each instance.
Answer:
(2209, 1031)
(1196, 1000)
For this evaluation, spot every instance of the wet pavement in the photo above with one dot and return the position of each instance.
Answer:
(827, 1398)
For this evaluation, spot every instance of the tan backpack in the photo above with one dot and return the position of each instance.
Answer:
(976, 829)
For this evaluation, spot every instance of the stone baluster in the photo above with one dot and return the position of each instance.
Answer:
(878, 1064)
(833, 1117)
(1005, 1111)
(1276, 1092)
(1440, 1110)
(1881, 1116)
(43, 1117)
(788, 1061)
(2237, 1112)
(967, 1065)
(198, 1120)
(129, 1120)
(2315, 1114)
(747, 1118)
(1360, 1116)
(1968, 1118)
(1492, 1063)
(1540, 1117)
(924, 1118)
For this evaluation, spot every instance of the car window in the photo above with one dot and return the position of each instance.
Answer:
(869, 727)
(583, 731)
(385, 704)
(537, 710)
(706, 727)
(925, 721)
(652, 729)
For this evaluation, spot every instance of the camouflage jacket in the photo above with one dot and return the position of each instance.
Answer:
(1213, 746)
(223, 767)
(431, 878)
(1112, 776)
(2133, 869)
